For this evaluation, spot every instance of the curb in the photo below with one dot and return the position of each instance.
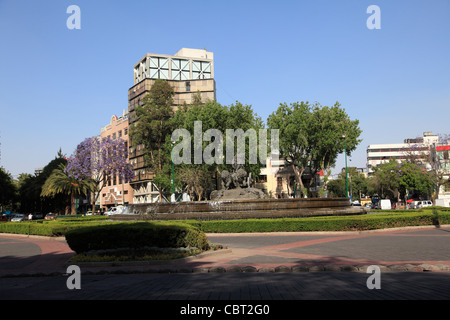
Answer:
(248, 269)
(150, 262)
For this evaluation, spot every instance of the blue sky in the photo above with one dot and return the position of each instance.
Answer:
(60, 86)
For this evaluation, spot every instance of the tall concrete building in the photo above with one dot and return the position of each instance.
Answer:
(189, 72)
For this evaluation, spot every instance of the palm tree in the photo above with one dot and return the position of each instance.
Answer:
(60, 182)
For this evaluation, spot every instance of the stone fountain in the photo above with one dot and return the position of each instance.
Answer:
(238, 199)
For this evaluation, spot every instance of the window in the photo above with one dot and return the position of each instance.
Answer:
(159, 68)
(180, 69)
(279, 182)
(120, 133)
(201, 70)
(125, 131)
(188, 86)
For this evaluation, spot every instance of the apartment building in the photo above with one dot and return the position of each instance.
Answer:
(189, 72)
(116, 192)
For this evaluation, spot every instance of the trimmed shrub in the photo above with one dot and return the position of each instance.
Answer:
(136, 235)
(338, 223)
(33, 228)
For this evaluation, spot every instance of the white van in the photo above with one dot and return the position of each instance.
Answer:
(116, 210)
(384, 204)
(425, 203)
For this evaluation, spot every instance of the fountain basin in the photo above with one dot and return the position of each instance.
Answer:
(241, 209)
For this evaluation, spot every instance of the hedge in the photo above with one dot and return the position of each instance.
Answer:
(341, 223)
(136, 235)
(38, 228)
(49, 228)
(380, 220)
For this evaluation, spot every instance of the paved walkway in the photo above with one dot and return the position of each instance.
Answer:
(406, 249)
(273, 266)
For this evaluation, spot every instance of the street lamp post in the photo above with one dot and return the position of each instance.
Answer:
(173, 176)
(346, 170)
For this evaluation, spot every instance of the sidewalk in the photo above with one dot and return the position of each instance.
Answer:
(405, 249)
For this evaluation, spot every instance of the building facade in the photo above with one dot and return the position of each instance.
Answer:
(116, 191)
(410, 148)
(428, 150)
(277, 180)
(442, 165)
(189, 72)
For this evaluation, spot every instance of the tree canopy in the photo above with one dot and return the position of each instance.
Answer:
(198, 121)
(98, 159)
(153, 129)
(312, 136)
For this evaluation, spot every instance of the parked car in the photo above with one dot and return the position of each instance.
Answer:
(50, 216)
(420, 204)
(426, 203)
(17, 217)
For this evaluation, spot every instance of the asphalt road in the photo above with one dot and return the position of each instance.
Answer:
(214, 278)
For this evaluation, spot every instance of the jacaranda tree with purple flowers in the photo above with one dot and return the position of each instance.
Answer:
(99, 159)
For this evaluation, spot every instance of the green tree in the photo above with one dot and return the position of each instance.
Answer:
(312, 136)
(398, 180)
(198, 177)
(30, 187)
(57, 202)
(153, 127)
(59, 182)
(358, 184)
(7, 190)
(327, 128)
(336, 188)
(29, 193)
(245, 118)
(293, 125)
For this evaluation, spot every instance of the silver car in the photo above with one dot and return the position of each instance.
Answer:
(18, 217)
